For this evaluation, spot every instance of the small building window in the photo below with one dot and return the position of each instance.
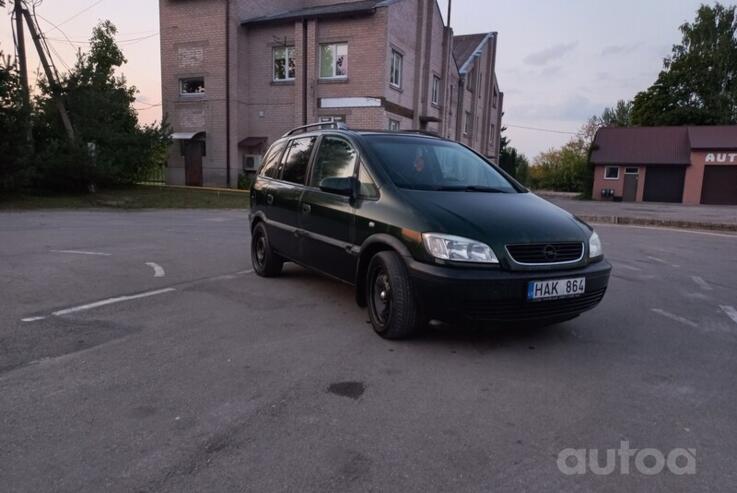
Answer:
(435, 89)
(334, 61)
(395, 72)
(192, 86)
(394, 125)
(494, 98)
(492, 134)
(611, 173)
(335, 118)
(631, 171)
(468, 124)
(284, 68)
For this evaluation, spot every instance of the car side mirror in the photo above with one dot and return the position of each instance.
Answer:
(347, 186)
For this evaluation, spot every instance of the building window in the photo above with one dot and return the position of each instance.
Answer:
(435, 89)
(395, 74)
(467, 124)
(284, 67)
(450, 101)
(192, 86)
(394, 125)
(611, 173)
(495, 97)
(334, 61)
(335, 118)
(631, 171)
(492, 136)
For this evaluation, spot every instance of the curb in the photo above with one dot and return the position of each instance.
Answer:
(662, 223)
(203, 189)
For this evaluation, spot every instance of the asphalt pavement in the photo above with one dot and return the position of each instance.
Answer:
(138, 352)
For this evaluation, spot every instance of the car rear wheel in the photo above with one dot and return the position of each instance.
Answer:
(266, 262)
(392, 307)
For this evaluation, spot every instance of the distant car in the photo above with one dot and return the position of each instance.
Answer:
(423, 227)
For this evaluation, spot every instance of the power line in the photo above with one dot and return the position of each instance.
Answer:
(122, 41)
(77, 14)
(538, 129)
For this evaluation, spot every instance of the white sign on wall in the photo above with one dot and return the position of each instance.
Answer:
(721, 157)
(350, 102)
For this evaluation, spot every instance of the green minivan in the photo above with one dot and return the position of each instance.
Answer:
(424, 228)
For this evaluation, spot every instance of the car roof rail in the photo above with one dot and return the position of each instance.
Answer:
(332, 123)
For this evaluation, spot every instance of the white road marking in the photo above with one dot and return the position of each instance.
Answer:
(675, 230)
(110, 301)
(31, 319)
(702, 284)
(675, 317)
(82, 252)
(730, 312)
(657, 259)
(158, 270)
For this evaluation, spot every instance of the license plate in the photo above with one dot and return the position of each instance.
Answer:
(555, 288)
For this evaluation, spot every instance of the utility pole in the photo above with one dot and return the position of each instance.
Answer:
(50, 75)
(23, 66)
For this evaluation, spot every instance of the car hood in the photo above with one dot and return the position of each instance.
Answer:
(497, 219)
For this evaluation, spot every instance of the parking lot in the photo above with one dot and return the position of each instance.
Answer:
(139, 352)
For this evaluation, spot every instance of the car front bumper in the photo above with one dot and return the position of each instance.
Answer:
(497, 295)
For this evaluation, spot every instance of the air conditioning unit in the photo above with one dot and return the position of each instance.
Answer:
(251, 162)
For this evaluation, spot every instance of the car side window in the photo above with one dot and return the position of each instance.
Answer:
(270, 166)
(297, 159)
(368, 189)
(336, 158)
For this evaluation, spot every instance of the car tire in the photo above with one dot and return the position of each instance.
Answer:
(266, 263)
(393, 309)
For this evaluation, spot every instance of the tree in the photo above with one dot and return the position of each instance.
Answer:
(112, 147)
(510, 160)
(698, 83)
(567, 169)
(618, 116)
(13, 149)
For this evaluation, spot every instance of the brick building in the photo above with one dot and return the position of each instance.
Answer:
(236, 74)
(692, 165)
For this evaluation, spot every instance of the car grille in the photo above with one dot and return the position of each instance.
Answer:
(521, 310)
(546, 253)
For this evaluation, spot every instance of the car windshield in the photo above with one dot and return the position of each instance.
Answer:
(422, 163)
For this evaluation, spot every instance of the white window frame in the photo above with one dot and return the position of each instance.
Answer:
(289, 53)
(334, 47)
(435, 90)
(394, 125)
(335, 118)
(396, 57)
(182, 80)
(467, 123)
(607, 168)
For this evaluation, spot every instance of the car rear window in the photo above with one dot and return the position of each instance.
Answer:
(422, 163)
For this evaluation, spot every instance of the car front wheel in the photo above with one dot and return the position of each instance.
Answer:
(392, 307)
(266, 262)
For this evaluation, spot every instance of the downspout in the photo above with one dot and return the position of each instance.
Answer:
(304, 71)
(227, 93)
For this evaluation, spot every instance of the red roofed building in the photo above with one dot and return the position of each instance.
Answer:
(692, 165)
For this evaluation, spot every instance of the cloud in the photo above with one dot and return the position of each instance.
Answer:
(612, 50)
(575, 108)
(549, 54)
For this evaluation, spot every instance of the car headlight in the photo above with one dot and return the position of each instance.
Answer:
(458, 249)
(595, 249)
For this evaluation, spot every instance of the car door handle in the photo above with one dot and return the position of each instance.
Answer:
(306, 208)
(269, 198)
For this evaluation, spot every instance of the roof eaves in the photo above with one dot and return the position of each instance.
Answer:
(464, 68)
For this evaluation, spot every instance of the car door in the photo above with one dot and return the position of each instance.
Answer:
(285, 194)
(327, 218)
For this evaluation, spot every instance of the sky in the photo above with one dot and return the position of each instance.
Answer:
(559, 61)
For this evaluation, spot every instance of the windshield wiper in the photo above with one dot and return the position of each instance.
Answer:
(471, 188)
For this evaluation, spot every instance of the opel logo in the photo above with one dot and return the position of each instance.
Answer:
(550, 252)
